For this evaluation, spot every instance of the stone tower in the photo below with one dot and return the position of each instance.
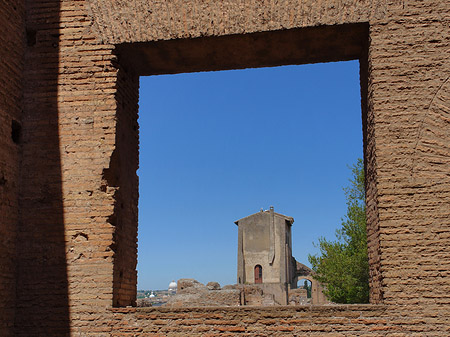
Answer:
(265, 253)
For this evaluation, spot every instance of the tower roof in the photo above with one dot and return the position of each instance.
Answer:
(287, 218)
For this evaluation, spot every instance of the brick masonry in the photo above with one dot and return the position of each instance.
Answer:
(68, 187)
(11, 69)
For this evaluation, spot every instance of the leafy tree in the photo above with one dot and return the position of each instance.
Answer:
(342, 265)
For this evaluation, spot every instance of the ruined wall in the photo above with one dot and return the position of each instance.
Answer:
(79, 185)
(279, 321)
(12, 42)
(42, 303)
(121, 175)
(409, 88)
(71, 208)
(77, 223)
(140, 21)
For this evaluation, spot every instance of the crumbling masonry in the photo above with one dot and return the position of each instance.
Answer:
(69, 154)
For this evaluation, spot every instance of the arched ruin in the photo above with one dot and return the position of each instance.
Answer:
(69, 154)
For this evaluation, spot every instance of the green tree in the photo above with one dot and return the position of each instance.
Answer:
(342, 265)
(308, 289)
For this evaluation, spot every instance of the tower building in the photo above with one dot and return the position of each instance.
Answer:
(265, 253)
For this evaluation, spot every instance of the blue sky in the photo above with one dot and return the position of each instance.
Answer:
(218, 146)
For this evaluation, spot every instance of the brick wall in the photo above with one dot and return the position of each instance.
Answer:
(336, 321)
(409, 73)
(78, 236)
(300, 321)
(370, 166)
(118, 21)
(12, 40)
(124, 163)
(78, 187)
(42, 303)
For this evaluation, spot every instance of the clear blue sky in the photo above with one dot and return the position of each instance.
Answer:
(218, 146)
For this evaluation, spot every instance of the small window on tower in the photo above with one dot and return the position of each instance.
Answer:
(258, 274)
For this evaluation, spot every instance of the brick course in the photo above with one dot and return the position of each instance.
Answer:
(69, 190)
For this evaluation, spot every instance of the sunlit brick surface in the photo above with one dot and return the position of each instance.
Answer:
(68, 189)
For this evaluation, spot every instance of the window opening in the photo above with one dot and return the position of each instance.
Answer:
(258, 274)
(209, 156)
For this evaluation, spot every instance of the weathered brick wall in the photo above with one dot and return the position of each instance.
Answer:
(409, 83)
(42, 303)
(331, 321)
(78, 186)
(123, 166)
(370, 166)
(288, 321)
(117, 21)
(12, 42)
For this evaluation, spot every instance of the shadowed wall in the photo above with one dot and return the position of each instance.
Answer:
(76, 214)
(12, 37)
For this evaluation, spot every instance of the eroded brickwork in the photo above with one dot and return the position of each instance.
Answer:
(12, 42)
(78, 236)
(122, 173)
(409, 72)
(280, 321)
(42, 303)
(116, 21)
(78, 186)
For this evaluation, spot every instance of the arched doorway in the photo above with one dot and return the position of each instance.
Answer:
(306, 284)
(258, 274)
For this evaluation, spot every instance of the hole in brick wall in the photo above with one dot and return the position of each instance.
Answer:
(16, 131)
(31, 37)
(2, 179)
(80, 237)
(218, 146)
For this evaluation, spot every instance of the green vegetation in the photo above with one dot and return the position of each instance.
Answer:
(342, 265)
(308, 288)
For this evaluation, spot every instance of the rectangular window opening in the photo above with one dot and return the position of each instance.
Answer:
(217, 151)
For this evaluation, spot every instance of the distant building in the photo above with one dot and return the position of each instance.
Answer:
(172, 288)
(265, 256)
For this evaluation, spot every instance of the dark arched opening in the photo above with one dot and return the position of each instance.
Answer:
(258, 274)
